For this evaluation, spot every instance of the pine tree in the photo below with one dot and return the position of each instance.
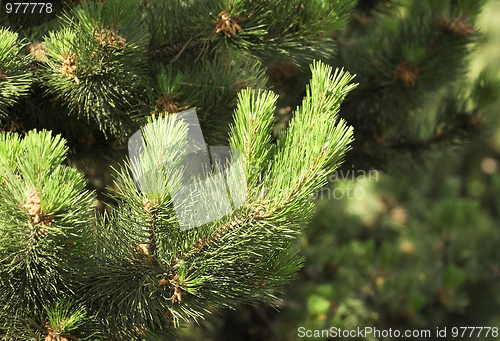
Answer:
(78, 80)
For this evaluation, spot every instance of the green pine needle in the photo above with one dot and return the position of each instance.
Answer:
(64, 316)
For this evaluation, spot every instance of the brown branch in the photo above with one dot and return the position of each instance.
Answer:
(182, 50)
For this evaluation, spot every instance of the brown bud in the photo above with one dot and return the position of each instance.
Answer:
(143, 248)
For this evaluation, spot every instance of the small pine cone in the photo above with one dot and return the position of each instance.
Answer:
(476, 122)
(177, 296)
(68, 67)
(161, 104)
(33, 206)
(407, 73)
(147, 205)
(457, 26)
(47, 221)
(39, 51)
(172, 108)
(200, 245)
(143, 248)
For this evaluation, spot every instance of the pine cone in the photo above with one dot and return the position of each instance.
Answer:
(407, 73)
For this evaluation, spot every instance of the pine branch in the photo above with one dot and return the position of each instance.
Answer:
(167, 274)
(15, 79)
(311, 142)
(43, 223)
(96, 64)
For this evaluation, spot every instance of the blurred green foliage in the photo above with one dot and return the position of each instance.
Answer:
(418, 250)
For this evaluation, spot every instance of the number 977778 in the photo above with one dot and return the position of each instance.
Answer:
(28, 7)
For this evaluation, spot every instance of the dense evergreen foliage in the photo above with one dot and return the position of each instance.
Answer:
(374, 86)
